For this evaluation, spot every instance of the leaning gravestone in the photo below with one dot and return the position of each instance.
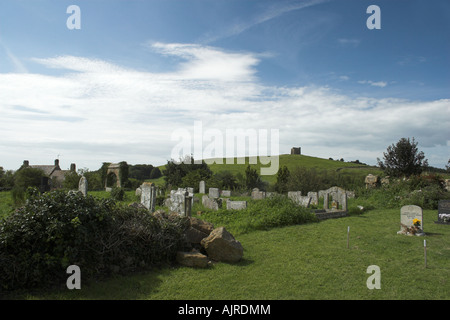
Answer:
(83, 186)
(444, 212)
(411, 220)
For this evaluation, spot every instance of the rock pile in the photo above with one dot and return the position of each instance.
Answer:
(209, 243)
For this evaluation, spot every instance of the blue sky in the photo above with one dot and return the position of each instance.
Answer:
(138, 70)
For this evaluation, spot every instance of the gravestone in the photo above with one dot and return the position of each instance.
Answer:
(258, 195)
(294, 195)
(225, 193)
(187, 204)
(444, 212)
(214, 193)
(325, 201)
(344, 201)
(83, 186)
(211, 203)
(236, 205)
(177, 201)
(408, 215)
(148, 196)
(201, 187)
(314, 197)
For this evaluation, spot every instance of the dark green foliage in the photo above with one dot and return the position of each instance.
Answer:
(193, 178)
(140, 171)
(94, 179)
(71, 180)
(403, 159)
(252, 178)
(282, 179)
(24, 178)
(174, 172)
(118, 194)
(305, 180)
(424, 191)
(155, 173)
(54, 230)
(6, 179)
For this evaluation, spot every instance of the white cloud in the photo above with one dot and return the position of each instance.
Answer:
(98, 111)
(380, 84)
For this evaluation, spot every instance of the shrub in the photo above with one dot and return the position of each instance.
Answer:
(276, 211)
(54, 230)
(117, 194)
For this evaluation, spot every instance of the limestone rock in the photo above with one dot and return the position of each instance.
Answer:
(192, 259)
(220, 245)
(201, 225)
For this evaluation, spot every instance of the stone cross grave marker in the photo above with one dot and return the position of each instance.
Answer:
(409, 214)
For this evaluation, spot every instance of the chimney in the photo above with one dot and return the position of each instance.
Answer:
(57, 162)
(73, 167)
(26, 163)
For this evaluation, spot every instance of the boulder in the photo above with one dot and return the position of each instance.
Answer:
(192, 259)
(220, 245)
(201, 225)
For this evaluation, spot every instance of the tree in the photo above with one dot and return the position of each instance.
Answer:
(174, 172)
(252, 179)
(403, 159)
(282, 179)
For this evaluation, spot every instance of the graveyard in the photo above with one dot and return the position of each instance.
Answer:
(292, 246)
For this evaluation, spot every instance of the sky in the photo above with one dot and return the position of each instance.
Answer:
(134, 74)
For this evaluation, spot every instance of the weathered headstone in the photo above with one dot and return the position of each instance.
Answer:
(83, 186)
(214, 193)
(236, 205)
(148, 196)
(444, 212)
(344, 201)
(177, 201)
(225, 193)
(411, 220)
(294, 195)
(371, 181)
(325, 201)
(211, 203)
(201, 187)
(258, 195)
(314, 197)
(187, 204)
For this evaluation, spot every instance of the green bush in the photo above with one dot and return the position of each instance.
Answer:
(54, 230)
(276, 211)
(118, 194)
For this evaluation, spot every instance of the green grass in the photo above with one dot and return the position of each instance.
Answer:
(6, 203)
(309, 261)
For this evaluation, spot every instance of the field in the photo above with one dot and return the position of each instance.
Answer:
(297, 262)
(309, 261)
(291, 162)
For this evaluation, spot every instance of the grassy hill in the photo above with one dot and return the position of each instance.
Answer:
(291, 162)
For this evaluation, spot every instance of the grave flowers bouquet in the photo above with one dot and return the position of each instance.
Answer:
(416, 226)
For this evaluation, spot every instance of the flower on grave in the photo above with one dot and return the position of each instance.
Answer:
(416, 222)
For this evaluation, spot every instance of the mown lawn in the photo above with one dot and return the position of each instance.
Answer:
(309, 261)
